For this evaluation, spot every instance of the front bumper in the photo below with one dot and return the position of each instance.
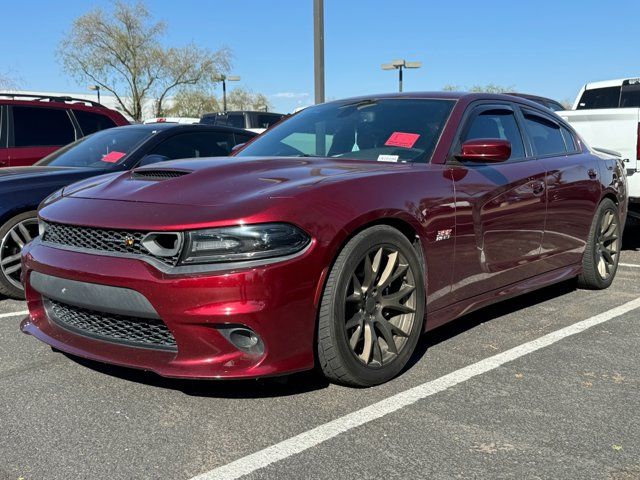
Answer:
(276, 301)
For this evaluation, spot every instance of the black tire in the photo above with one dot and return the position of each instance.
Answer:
(8, 249)
(339, 361)
(602, 252)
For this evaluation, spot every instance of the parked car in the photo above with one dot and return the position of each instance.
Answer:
(254, 121)
(33, 126)
(546, 102)
(607, 115)
(329, 236)
(187, 120)
(108, 151)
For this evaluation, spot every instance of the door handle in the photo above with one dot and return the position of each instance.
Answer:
(2, 163)
(592, 173)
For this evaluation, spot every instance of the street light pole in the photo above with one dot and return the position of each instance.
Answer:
(97, 89)
(224, 79)
(400, 65)
(318, 49)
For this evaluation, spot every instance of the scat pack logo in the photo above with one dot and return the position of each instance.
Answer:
(444, 234)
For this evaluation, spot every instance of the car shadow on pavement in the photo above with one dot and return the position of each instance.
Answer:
(293, 384)
(304, 382)
(471, 320)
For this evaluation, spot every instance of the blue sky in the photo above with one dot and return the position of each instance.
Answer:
(544, 47)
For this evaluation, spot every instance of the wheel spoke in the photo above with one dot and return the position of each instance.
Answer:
(607, 256)
(11, 259)
(393, 300)
(25, 233)
(355, 337)
(392, 258)
(368, 344)
(377, 350)
(400, 271)
(15, 268)
(384, 326)
(17, 239)
(355, 321)
(356, 296)
(601, 268)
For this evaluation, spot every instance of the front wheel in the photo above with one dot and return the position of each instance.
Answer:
(14, 235)
(372, 309)
(602, 252)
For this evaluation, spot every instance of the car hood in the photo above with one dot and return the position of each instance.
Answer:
(223, 180)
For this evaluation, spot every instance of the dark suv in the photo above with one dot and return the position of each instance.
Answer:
(33, 126)
(249, 120)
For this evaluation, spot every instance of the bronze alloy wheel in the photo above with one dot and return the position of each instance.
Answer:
(380, 309)
(607, 244)
(372, 309)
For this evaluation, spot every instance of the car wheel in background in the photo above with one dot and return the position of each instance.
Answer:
(14, 235)
(372, 309)
(602, 252)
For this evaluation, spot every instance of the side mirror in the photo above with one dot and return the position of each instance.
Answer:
(485, 150)
(151, 159)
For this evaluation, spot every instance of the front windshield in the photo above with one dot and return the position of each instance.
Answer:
(388, 130)
(104, 149)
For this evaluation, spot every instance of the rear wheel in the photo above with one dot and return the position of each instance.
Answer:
(14, 235)
(372, 309)
(602, 253)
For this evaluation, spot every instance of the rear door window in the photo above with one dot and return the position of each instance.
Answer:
(265, 120)
(497, 124)
(92, 122)
(230, 120)
(38, 126)
(607, 97)
(630, 96)
(545, 134)
(195, 145)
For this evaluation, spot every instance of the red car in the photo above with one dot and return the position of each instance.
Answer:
(333, 240)
(33, 126)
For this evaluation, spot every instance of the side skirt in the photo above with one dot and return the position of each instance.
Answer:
(446, 314)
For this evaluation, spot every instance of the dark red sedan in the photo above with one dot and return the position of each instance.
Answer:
(333, 240)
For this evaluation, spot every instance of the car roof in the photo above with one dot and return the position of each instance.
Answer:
(532, 97)
(186, 127)
(468, 96)
(209, 114)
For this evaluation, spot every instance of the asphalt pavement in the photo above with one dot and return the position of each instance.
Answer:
(567, 410)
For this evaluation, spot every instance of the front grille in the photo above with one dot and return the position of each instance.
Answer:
(132, 331)
(102, 240)
(157, 175)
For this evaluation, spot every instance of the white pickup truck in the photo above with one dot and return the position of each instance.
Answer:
(607, 115)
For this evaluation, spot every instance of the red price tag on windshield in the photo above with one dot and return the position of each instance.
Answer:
(113, 157)
(401, 139)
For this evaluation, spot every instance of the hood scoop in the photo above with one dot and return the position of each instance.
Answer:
(157, 175)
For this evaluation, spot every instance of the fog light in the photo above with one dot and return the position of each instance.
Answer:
(244, 339)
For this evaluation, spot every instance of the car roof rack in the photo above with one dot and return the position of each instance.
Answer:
(50, 98)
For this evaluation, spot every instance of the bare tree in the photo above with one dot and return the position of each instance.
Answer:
(489, 88)
(8, 81)
(120, 51)
(192, 104)
(243, 99)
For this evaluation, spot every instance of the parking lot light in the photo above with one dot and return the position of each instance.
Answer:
(96, 88)
(224, 79)
(400, 65)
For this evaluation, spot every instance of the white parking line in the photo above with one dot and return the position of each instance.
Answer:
(311, 438)
(13, 314)
(632, 265)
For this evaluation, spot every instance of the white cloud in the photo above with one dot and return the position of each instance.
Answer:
(291, 95)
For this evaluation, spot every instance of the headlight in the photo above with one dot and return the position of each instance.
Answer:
(247, 242)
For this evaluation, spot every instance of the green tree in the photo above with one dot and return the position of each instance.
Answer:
(120, 50)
